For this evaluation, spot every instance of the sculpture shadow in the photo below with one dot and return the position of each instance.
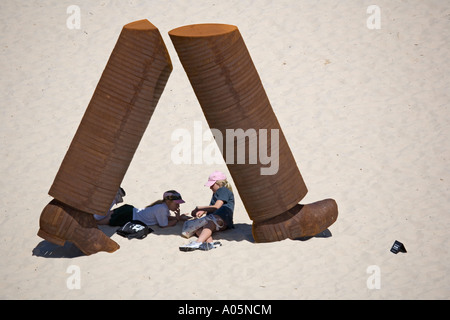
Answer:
(240, 232)
(324, 234)
(47, 249)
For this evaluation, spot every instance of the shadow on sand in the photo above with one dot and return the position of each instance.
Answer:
(241, 232)
(47, 249)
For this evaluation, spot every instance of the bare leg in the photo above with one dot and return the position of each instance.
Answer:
(205, 234)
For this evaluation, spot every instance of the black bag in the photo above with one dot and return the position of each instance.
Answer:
(134, 229)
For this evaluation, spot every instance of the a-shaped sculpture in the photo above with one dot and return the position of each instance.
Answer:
(107, 138)
(232, 96)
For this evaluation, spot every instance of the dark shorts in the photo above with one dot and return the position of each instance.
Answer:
(226, 215)
(121, 215)
(221, 223)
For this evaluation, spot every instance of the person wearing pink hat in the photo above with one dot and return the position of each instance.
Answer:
(158, 213)
(220, 211)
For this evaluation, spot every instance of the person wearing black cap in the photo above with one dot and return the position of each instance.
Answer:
(158, 213)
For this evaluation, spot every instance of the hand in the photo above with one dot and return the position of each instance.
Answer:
(200, 213)
(184, 217)
(177, 213)
(197, 213)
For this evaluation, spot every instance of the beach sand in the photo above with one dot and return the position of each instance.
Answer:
(365, 112)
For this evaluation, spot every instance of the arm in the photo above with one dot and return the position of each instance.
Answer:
(165, 219)
(172, 222)
(201, 210)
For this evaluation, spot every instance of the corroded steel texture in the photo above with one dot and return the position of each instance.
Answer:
(60, 223)
(115, 120)
(232, 96)
(301, 221)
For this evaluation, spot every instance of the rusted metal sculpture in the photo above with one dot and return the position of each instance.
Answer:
(232, 96)
(107, 138)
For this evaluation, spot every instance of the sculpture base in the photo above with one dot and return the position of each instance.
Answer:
(300, 221)
(60, 223)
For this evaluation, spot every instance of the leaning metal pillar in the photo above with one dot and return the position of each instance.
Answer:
(232, 96)
(106, 139)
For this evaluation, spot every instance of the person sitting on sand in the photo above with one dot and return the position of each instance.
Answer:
(220, 210)
(158, 213)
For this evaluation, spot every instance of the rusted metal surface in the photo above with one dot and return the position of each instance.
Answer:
(106, 139)
(232, 96)
(60, 223)
(114, 121)
(301, 221)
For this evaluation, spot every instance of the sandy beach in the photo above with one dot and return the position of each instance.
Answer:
(360, 89)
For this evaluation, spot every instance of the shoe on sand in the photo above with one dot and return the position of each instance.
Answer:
(191, 246)
(205, 246)
(60, 223)
(301, 221)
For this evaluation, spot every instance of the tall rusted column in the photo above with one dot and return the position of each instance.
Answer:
(107, 138)
(232, 97)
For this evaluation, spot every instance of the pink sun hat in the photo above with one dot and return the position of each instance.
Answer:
(215, 176)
